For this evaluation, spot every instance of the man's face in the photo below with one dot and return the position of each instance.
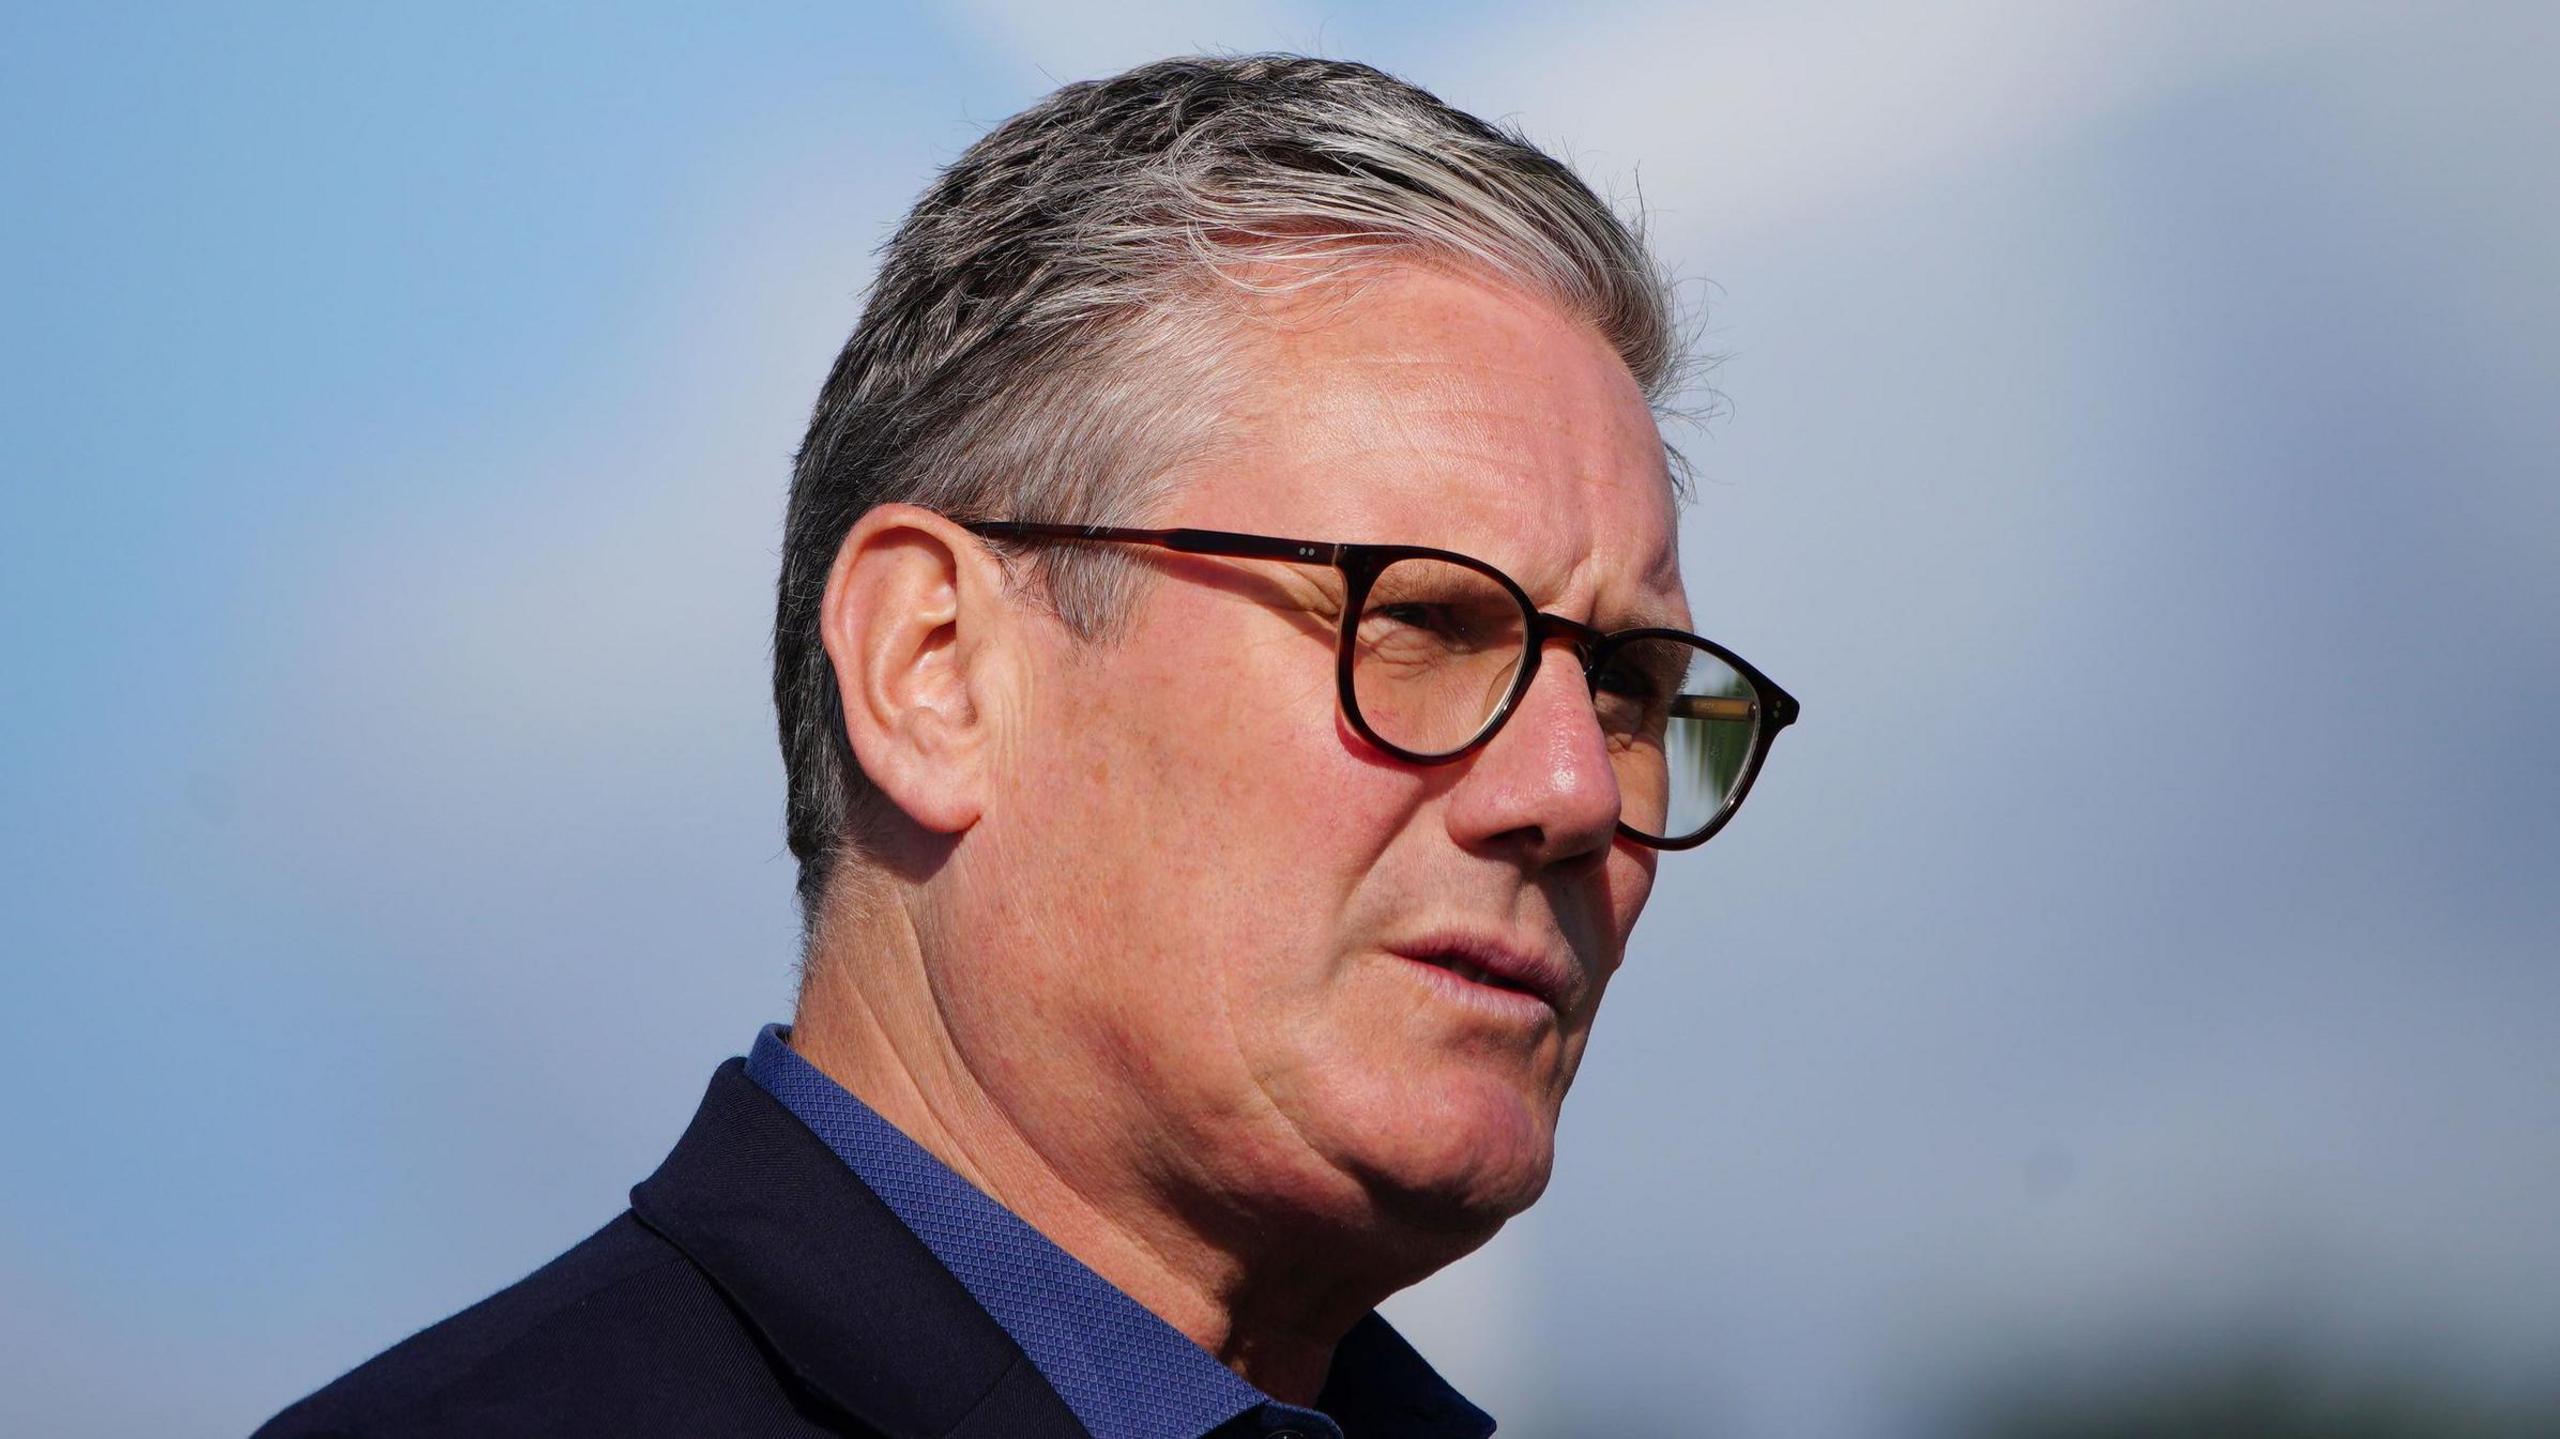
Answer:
(1234, 930)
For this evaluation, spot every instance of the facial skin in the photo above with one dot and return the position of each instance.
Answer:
(1159, 929)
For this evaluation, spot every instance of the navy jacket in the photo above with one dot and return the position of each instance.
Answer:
(754, 1287)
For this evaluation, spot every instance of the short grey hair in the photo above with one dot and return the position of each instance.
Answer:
(1043, 339)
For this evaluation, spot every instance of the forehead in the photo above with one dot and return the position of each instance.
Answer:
(1430, 408)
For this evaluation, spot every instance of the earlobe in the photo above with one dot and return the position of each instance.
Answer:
(910, 622)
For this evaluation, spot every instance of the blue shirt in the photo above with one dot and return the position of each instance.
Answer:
(1123, 1372)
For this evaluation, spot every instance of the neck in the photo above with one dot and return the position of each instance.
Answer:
(868, 1019)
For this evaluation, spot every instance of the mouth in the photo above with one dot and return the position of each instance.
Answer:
(1493, 972)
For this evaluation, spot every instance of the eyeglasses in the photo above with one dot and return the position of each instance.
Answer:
(1437, 648)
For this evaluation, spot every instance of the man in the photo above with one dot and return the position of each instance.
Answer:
(1208, 893)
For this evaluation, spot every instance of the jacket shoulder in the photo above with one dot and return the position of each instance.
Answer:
(620, 1335)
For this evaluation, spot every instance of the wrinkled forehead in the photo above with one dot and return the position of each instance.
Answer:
(1438, 409)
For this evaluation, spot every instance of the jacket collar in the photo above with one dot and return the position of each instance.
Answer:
(846, 1294)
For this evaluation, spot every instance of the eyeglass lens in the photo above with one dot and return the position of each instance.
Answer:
(1438, 646)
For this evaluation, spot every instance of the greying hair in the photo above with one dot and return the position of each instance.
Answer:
(1045, 337)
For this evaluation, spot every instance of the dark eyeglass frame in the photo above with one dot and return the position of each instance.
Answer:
(1362, 564)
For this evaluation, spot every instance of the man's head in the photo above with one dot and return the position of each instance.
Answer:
(1173, 909)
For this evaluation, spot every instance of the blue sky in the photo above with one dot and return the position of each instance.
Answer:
(2136, 452)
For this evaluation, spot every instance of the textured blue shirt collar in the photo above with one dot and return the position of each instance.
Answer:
(1124, 1373)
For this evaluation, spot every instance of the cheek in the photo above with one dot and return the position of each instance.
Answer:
(1232, 745)
(1628, 884)
(1209, 820)
(1598, 918)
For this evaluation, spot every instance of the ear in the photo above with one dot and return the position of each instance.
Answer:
(916, 623)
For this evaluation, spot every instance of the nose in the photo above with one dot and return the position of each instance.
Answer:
(1542, 788)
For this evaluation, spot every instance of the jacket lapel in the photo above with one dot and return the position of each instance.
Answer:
(849, 1297)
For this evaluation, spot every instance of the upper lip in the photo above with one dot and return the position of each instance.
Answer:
(1540, 971)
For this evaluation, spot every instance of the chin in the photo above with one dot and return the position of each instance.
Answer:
(1456, 1157)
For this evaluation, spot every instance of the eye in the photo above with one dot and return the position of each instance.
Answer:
(1415, 614)
(1426, 606)
(1447, 626)
(1629, 682)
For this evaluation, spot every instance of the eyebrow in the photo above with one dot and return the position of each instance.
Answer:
(1646, 618)
(1648, 611)
(1645, 612)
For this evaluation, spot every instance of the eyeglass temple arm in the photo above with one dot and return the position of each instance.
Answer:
(1782, 709)
(1713, 707)
(1224, 544)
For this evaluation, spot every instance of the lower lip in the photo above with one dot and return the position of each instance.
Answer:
(1517, 1005)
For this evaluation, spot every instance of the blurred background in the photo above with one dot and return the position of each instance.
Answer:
(2128, 1006)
